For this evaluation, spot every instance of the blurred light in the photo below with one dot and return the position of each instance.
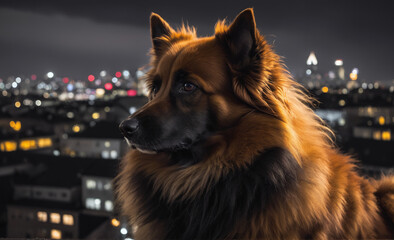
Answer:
(114, 79)
(324, 89)
(123, 231)
(8, 146)
(132, 110)
(118, 74)
(46, 95)
(2, 85)
(370, 86)
(17, 126)
(12, 124)
(381, 120)
(360, 90)
(38, 102)
(114, 155)
(355, 70)
(27, 144)
(5, 93)
(131, 92)
(338, 62)
(364, 85)
(97, 82)
(14, 84)
(353, 76)
(344, 91)
(341, 122)
(70, 87)
(56, 152)
(115, 222)
(68, 219)
(100, 91)
(308, 72)
(376, 85)
(96, 115)
(66, 79)
(107, 144)
(91, 78)
(341, 102)
(44, 142)
(312, 60)
(107, 109)
(17, 104)
(18, 80)
(331, 75)
(126, 73)
(140, 73)
(386, 135)
(108, 86)
(50, 74)
(33, 77)
(103, 73)
(70, 114)
(76, 128)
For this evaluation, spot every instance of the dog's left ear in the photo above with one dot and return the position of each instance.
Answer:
(160, 30)
(241, 38)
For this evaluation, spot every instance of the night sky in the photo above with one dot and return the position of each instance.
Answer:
(78, 38)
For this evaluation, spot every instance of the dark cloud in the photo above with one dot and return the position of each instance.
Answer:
(81, 37)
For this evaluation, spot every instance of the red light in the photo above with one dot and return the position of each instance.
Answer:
(131, 93)
(91, 78)
(118, 74)
(66, 80)
(33, 77)
(108, 86)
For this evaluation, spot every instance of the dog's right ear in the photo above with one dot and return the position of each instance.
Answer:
(160, 33)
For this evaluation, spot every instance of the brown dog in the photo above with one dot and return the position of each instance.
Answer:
(227, 148)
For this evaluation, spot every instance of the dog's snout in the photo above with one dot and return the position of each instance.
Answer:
(129, 127)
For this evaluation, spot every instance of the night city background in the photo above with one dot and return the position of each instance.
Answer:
(70, 72)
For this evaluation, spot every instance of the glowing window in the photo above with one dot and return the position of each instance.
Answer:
(27, 144)
(90, 184)
(97, 203)
(114, 154)
(93, 203)
(42, 216)
(108, 186)
(44, 142)
(105, 154)
(386, 135)
(55, 217)
(68, 219)
(109, 206)
(56, 234)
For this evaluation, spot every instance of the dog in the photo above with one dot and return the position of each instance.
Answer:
(228, 147)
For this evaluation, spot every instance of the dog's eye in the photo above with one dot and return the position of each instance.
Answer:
(188, 87)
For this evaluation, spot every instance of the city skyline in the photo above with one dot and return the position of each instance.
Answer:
(78, 39)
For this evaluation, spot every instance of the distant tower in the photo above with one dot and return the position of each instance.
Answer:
(340, 71)
(312, 61)
(313, 77)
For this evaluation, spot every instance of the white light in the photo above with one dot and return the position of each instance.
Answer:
(126, 73)
(114, 79)
(341, 122)
(109, 206)
(50, 74)
(128, 239)
(107, 144)
(105, 154)
(308, 72)
(132, 110)
(14, 84)
(38, 102)
(123, 231)
(103, 73)
(364, 85)
(312, 60)
(114, 154)
(355, 71)
(70, 115)
(140, 74)
(338, 62)
(18, 80)
(370, 86)
(70, 87)
(56, 152)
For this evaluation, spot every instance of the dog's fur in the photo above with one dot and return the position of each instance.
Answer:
(238, 154)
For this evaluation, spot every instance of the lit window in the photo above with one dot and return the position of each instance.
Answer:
(90, 184)
(115, 222)
(107, 144)
(114, 154)
(109, 206)
(376, 135)
(105, 154)
(68, 219)
(42, 216)
(108, 186)
(386, 135)
(93, 203)
(55, 217)
(56, 234)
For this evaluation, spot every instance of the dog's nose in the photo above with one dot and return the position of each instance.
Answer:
(128, 127)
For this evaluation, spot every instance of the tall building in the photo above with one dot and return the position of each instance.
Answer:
(312, 77)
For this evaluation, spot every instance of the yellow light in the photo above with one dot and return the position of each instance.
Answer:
(115, 222)
(17, 126)
(56, 234)
(381, 120)
(353, 76)
(55, 217)
(12, 124)
(376, 135)
(42, 216)
(341, 102)
(76, 128)
(386, 135)
(8, 146)
(44, 142)
(324, 89)
(2, 147)
(17, 104)
(96, 115)
(68, 219)
(27, 144)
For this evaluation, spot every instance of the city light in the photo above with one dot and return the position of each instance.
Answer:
(103, 73)
(131, 92)
(38, 103)
(66, 79)
(108, 86)
(353, 76)
(115, 222)
(91, 78)
(386, 135)
(68, 219)
(76, 128)
(381, 120)
(312, 60)
(27, 144)
(50, 74)
(56, 234)
(33, 77)
(339, 62)
(114, 79)
(96, 115)
(123, 231)
(324, 89)
(18, 80)
(118, 74)
(341, 102)
(126, 74)
(8, 146)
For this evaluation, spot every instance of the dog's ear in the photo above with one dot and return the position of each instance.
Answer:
(160, 31)
(241, 38)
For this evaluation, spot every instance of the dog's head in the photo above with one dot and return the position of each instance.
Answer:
(199, 86)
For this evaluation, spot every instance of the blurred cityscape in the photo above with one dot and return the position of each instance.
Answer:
(60, 145)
